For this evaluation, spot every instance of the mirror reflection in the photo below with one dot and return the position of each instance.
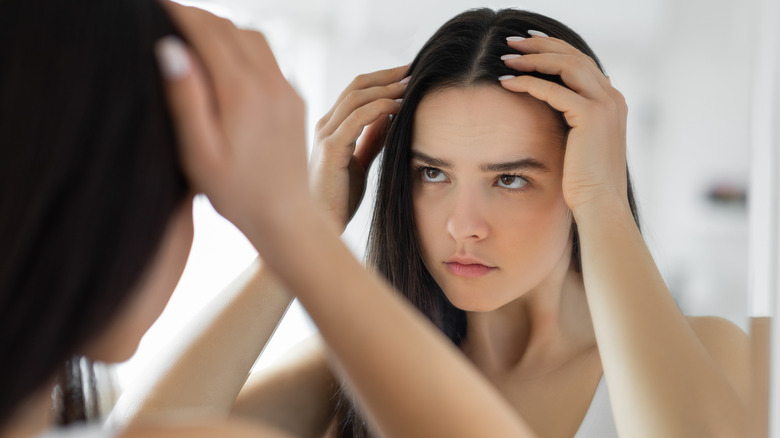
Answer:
(566, 217)
(687, 135)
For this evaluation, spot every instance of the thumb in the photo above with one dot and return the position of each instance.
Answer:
(189, 96)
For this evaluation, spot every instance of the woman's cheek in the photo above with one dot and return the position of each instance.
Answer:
(430, 227)
(540, 225)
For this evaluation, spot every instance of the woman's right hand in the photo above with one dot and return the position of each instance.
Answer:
(342, 156)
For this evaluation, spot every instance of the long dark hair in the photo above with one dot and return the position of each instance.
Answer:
(464, 51)
(89, 175)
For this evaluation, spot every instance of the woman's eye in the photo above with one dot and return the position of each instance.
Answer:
(432, 174)
(511, 182)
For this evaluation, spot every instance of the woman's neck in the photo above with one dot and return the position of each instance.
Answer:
(537, 332)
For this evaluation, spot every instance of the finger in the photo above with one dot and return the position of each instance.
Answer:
(539, 44)
(349, 131)
(574, 70)
(557, 96)
(257, 50)
(371, 141)
(358, 98)
(375, 79)
(190, 101)
(550, 45)
(214, 39)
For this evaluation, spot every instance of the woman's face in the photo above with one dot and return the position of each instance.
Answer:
(487, 167)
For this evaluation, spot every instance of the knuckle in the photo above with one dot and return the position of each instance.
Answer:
(352, 98)
(223, 23)
(200, 14)
(256, 35)
(616, 104)
(321, 123)
(360, 81)
(353, 117)
(550, 87)
(620, 100)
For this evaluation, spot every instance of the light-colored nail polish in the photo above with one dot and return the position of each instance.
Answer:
(172, 57)
(405, 80)
(505, 77)
(515, 38)
(399, 100)
(510, 56)
(537, 33)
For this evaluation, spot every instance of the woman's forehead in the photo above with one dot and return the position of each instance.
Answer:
(486, 120)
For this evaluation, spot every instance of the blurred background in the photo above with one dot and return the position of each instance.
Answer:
(685, 67)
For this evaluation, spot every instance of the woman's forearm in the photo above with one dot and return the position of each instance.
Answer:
(661, 379)
(407, 377)
(209, 360)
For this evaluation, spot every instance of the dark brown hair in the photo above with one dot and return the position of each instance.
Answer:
(89, 175)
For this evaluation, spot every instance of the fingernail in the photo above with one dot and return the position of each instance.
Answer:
(510, 56)
(405, 80)
(537, 33)
(515, 38)
(172, 57)
(399, 100)
(505, 77)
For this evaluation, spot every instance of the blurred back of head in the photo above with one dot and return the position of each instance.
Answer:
(89, 175)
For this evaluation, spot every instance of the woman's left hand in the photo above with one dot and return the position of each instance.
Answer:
(594, 167)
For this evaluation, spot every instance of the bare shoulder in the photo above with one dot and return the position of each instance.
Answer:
(205, 429)
(728, 345)
(716, 332)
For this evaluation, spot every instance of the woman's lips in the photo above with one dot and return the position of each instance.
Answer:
(474, 270)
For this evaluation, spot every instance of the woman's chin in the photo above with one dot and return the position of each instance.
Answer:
(473, 303)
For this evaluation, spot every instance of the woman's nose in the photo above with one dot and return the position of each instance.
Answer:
(467, 219)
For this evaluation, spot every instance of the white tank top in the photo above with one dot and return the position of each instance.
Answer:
(599, 421)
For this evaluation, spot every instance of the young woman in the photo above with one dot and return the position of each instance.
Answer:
(504, 213)
(96, 224)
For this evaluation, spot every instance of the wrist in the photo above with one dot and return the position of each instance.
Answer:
(598, 209)
(267, 226)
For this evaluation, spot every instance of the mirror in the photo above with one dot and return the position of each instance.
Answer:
(687, 70)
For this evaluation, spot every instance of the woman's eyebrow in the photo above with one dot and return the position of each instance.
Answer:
(433, 162)
(523, 164)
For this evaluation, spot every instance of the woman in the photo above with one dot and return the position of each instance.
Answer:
(98, 180)
(504, 213)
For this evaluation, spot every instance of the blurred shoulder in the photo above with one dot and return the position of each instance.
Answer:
(715, 331)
